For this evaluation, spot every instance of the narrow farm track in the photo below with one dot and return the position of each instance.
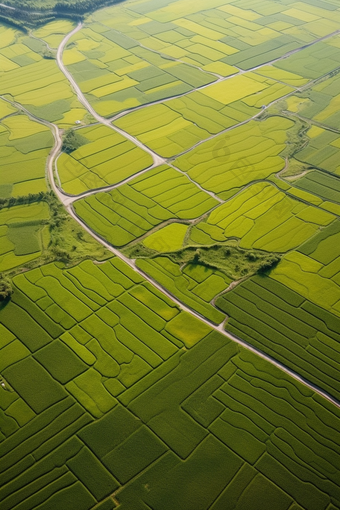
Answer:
(222, 78)
(157, 160)
(67, 202)
(219, 328)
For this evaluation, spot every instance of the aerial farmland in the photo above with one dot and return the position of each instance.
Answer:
(170, 255)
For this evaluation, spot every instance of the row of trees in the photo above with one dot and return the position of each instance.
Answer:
(26, 199)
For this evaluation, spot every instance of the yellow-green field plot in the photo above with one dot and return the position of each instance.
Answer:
(23, 234)
(210, 36)
(105, 158)
(306, 276)
(25, 145)
(238, 157)
(169, 238)
(132, 210)
(231, 90)
(262, 217)
(176, 125)
(54, 32)
(314, 270)
(322, 151)
(162, 129)
(36, 82)
(322, 104)
(117, 73)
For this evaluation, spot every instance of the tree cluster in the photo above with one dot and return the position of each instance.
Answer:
(72, 141)
(6, 289)
(25, 199)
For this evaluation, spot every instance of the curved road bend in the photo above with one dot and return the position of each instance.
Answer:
(64, 199)
(157, 160)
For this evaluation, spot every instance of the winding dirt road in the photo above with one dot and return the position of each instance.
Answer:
(67, 202)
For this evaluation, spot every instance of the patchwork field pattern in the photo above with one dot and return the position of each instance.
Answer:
(234, 159)
(106, 158)
(23, 234)
(32, 80)
(196, 286)
(263, 217)
(126, 385)
(25, 145)
(134, 209)
(56, 449)
(286, 325)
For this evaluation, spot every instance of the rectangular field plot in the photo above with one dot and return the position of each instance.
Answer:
(238, 157)
(322, 104)
(262, 217)
(25, 145)
(285, 325)
(195, 294)
(106, 158)
(314, 270)
(127, 213)
(21, 234)
(322, 151)
(162, 129)
(36, 82)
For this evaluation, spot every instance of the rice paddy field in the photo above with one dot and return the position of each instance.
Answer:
(105, 158)
(23, 233)
(25, 145)
(178, 346)
(107, 351)
(31, 79)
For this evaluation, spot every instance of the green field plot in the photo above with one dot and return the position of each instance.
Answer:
(320, 184)
(262, 217)
(146, 411)
(225, 163)
(32, 80)
(287, 326)
(195, 364)
(162, 129)
(322, 150)
(106, 158)
(118, 72)
(313, 61)
(127, 213)
(195, 294)
(313, 271)
(21, 231)
(25, 145)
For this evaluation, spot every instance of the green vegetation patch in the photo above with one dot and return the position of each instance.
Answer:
(60, 361)
(34, 384)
